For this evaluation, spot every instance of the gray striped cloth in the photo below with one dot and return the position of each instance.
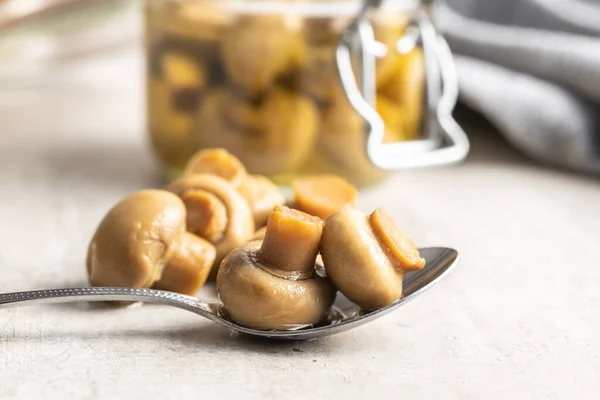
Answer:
(532, 68)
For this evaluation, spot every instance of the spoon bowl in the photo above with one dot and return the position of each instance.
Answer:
(344, 314)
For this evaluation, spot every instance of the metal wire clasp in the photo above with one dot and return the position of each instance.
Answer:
(442, 141)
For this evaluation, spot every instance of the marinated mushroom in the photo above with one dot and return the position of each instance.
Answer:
(216, 211)
(169, 128)
(260, 192)
(320, 31)
(393, 118)
(218, 162)
(388, 33)
(258, 48)
(322, 195)
(366, 257)
(272, 284)
(318, 76)
(142, 242)
(270, 136)
(262, 195)
(342, 140)
(194, 21)
(405, 88)
(185, 77)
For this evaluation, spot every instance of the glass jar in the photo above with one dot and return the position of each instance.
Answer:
(266, 81)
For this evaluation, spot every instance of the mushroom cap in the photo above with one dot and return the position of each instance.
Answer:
(269, 138)
(406, 89)
(257, 298)
(341, 138)
(262, 195)
(240, 221)
(136, 239)
(356, 262)
(217, 161)
(258, 48)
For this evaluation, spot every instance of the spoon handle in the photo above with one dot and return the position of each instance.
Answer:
(74, 295)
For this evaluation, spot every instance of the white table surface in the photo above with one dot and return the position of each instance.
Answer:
(518, 318)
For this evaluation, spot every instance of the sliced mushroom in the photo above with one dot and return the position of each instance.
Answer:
(342, 140)
(367, 257)
(322, 195)
(272, 284)
(142, 242)
(406, 89)
(216, 211)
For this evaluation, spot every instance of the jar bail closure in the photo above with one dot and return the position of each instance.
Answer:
(443, 140)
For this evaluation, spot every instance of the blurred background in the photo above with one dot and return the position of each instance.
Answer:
(143, 71)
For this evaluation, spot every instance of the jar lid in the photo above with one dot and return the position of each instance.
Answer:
(314, 8)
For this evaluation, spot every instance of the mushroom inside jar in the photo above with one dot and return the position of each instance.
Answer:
(266, 88)
(259, 191)
(271, 135)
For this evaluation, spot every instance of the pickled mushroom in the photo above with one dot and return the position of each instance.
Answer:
(142, 242)
(169, 128)
(342, 140)
(367, 257)
(217, 162)
(258, 48)
(180, 72)
(388, 34)
(186, 78)
(270, 137)
(406, 89)
(262, 195)
(272, 284)
(393, 119)
(190, 20)
(318, 76)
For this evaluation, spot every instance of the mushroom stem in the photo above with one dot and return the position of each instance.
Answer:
(239, 220)
(189, 266)
(291, 240)
(206, 214)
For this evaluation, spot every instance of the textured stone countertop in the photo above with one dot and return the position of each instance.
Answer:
(518, 318)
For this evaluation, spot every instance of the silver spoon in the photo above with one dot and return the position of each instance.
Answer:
(344, 314)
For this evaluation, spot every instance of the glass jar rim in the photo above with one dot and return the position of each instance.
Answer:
(311, 7)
